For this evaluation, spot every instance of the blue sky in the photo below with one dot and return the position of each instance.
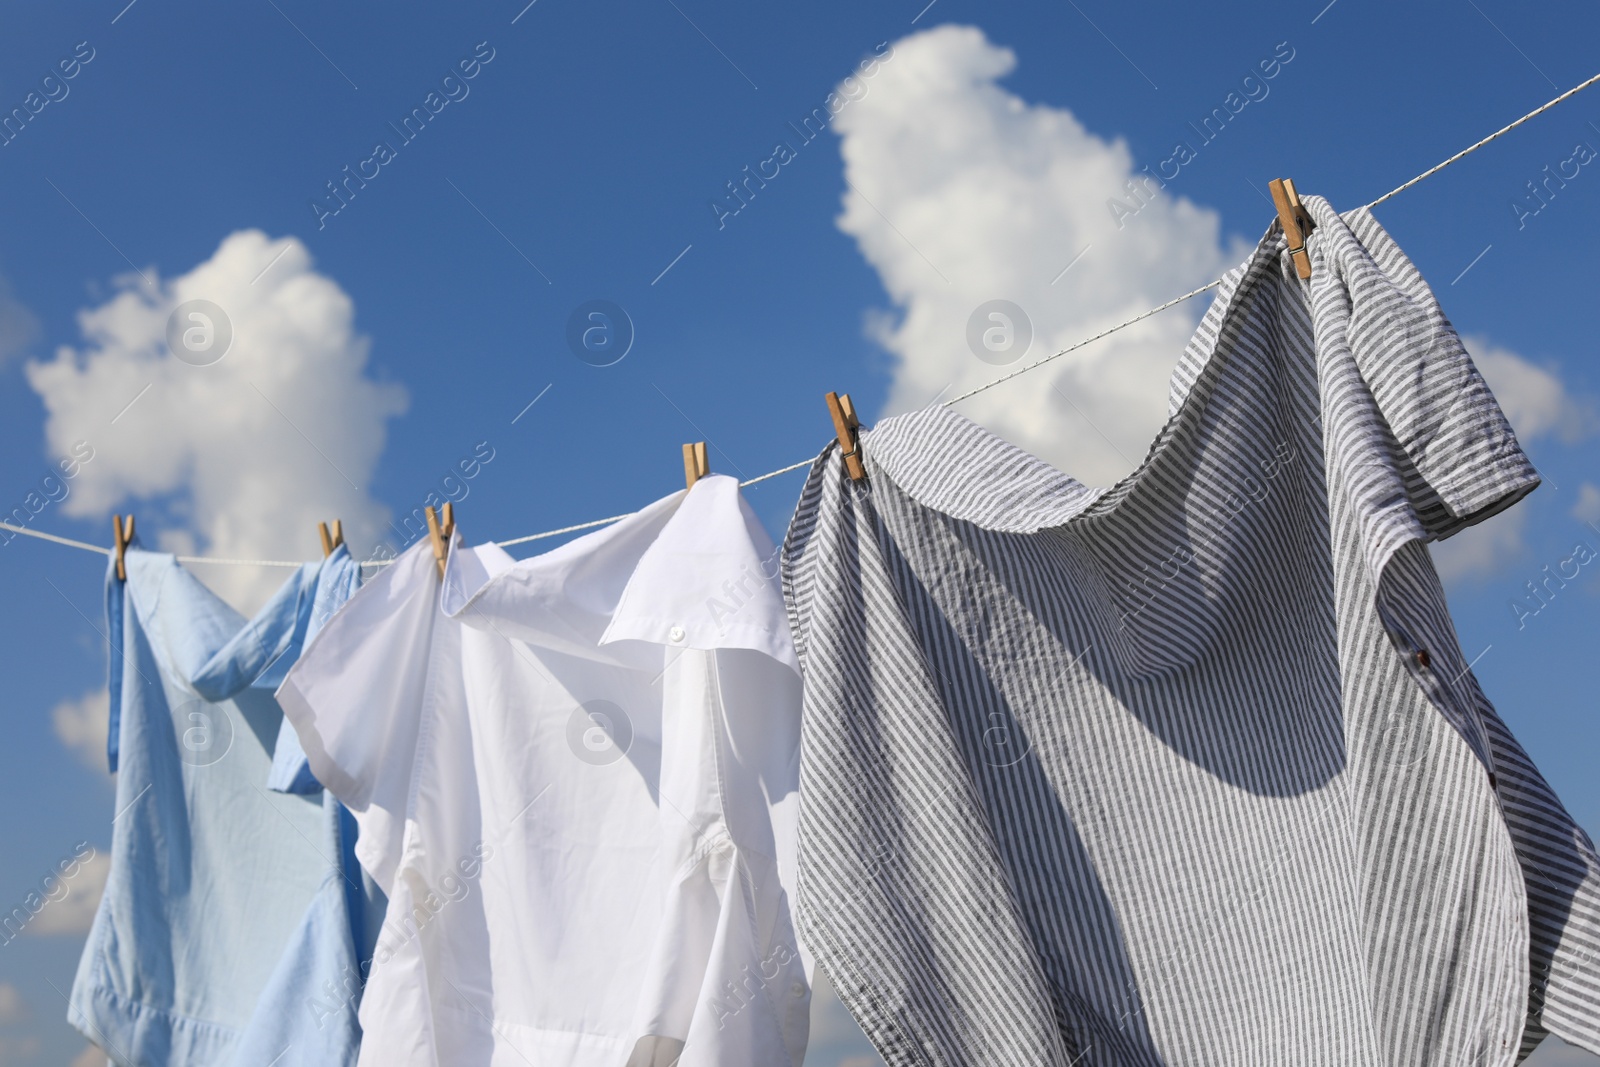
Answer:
(588, 157)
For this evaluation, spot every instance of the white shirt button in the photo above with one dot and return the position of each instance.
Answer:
(676, 633)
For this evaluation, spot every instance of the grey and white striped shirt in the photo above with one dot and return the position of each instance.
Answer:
(1191, 770)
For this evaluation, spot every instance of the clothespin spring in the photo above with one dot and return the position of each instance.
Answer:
(1296, 222)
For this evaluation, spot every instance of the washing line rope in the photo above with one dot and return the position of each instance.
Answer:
(1430, 172)
(69, 542)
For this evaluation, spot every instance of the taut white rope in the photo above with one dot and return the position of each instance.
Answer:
(1087, 340)
(1431, 171)
(58, 540)
(953, 400)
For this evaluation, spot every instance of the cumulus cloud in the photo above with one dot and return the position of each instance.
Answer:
(74, 913)
(15, 1048)
(18, 327)
(961, 193)
(12, 1007)
(90, 1057)
(1538, 405)
(241, 457)
(1587, 509)
(1484, 549)
(81, 726)
(1533, 397)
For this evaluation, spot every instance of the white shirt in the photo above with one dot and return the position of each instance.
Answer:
(577, 779)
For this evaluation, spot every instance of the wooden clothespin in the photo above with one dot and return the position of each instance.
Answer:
(331, 541)
(1296, 221)
(123, 533)
(440, 533)
(847, 426)
(695, 464)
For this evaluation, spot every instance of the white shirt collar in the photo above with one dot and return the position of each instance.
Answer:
(692, 570)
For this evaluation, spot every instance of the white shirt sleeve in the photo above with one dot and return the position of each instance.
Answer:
(726, 975)
(355, 700)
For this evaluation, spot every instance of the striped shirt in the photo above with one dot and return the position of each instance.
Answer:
(1192, 769)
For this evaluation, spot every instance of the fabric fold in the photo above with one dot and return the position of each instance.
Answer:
(1189, 769)
(338, 579)
(577, 776)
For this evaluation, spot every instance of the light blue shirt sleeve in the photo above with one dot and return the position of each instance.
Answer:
(337, 582)
(114, 607)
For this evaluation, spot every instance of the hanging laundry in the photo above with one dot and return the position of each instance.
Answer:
(1192, 769)
(337, 582)
(231, 926)
(576, 779)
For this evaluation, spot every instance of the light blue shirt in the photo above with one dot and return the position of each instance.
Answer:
(235, 919)
(337, 582)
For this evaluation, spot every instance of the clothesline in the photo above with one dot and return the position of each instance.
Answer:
(592, 524)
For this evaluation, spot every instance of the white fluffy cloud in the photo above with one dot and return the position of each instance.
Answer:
(12, 1007)
(81, 725)
(74, 913)
(1484, 549)
(1533, 398)
(18, 327)
(241, 457)
(963, 193)
(1587, 509)
(1538, 405)
(90, 1057)
(960, 192)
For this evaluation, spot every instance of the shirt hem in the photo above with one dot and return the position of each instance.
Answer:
(130, 1031)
